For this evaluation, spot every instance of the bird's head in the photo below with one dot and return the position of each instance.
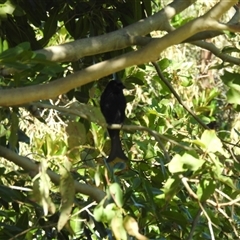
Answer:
(116, 86)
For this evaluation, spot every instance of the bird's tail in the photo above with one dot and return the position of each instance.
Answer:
(116, 147)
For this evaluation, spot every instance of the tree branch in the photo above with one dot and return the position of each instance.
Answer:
(221, 7)
(211, 34)
(217, 52)
(87, 111)
(150, 52)
(172, 90)
(29, 165)
(116, 40)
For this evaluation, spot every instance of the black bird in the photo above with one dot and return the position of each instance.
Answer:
(113, 105)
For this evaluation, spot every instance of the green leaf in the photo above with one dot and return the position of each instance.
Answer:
(232, 81)
(105, 214)
(22, 222)
(164, 63)
(47, 146)
(176, 165)
(118, 228)
(205, 189)
(16, 65)
(67, 190)
(192, 163)
(135, 80)
(226, 180)
(98, 212)
(109, 212)
(97, 177)
(175, 217)
(229, 77)
(14, 52)
(76, 137)
(76, 134)
(211, 141)
(74, 221)
(50, 26)
(117, 194)
(6, 8)
(92, 113)
(171, 187)
(41, 189)
(23, 46)
(184, 163)
(148, 7)
(198, 143)
(137, 9)
(233, 94)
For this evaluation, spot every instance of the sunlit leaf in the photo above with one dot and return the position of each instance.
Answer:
(233, 94)
(118, 229)
(232, 81)
(131, 225)
(97, 177)
(184, 163)
(211, 141)
(67, 190)
(116, 193)
(110, 212)
(41, 187)
(99, 212)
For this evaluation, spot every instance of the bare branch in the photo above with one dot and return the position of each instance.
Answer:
(217, 52)
(194, 224)
(221, 7)
(211, 34)
(203, 35)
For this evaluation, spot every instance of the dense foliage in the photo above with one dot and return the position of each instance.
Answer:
(181, 133)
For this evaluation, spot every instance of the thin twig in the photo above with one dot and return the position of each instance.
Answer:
(231, 201)
(170, 87)
(209, 221)
(230, 221)
(194, 224)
